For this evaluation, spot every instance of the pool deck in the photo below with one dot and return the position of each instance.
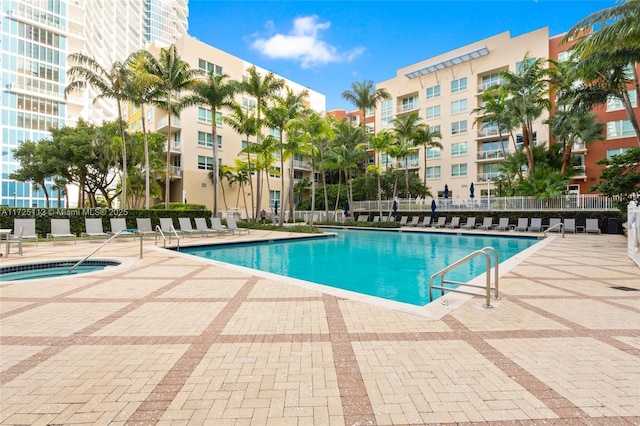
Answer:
(154, 342)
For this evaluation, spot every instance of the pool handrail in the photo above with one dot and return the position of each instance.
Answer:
(482, 252)
(164, 239)
(559, 224)
(78, 263)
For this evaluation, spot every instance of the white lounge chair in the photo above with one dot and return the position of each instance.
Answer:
(592, 226)
(166, 225)
(403, 220)
(426, 222)
(93, 228)
(487, 223)
(60, 228)
(554, 221)
(216, 224)
(523, 224)
(471, 223)
(536, 224)
(231, 224)
(120, 224)
(186, 227)
(570, 225)
(414, 221)
(455, 223)
(28, 229)
(201, 225)
(15, 239)
(503, 224)
(363, 218)
(440, 222)
(376, 218)
(144, 226)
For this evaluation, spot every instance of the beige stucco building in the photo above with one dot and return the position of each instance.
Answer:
(191, 137)
(443, 91)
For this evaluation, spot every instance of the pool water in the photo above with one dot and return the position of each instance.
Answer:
(51, 269)
(388, 264)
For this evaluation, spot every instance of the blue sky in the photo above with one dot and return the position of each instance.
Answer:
(327, 45)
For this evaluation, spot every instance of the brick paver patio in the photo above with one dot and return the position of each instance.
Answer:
(170, 339)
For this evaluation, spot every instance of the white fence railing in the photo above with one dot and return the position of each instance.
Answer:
(633, 228)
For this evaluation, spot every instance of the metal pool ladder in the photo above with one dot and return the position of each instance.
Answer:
(482, 252)
(164, 238)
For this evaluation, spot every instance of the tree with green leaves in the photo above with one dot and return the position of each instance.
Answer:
(620, 178)
(427, 137)
(607, 59)
(380, 143)
(175, 76)
(34, 166)
(364, 96)
(404, 129)
(262, 89)
(215, 93)
(111, 84)
(344, 157)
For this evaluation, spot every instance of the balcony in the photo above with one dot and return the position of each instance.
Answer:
(176, 147)
(484, 177)
(484, 86)
(30, 90)
(581, 172)
(408, 107)
(490, 155)
(175, 171)
(163, 124)
(298, 164)
(411, 164)
(488, 132)
(578, 146)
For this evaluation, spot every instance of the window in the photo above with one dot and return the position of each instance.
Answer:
(150, 115)
(459, 127)
(369, 111)
(434, 172)
(434, 153)
(519, 139)
(204, 115)
(298, 175)
(460, 148)
(248, 105)
(410, 103)
(459, 106)
(435, 129)
(205, 163)
(205, 139)
(620, 128)
(273, 197)
(564, 56)
(245, 144)
(522, 66)
(612, 152)
(433, 92)
(413, 160)
(275, 133)
(433, 112)
(490, 171)
(490, 81)
(386, 112)
(459, 85)
(614, 104)
(459, 170)
(275, 172)
(207, 66)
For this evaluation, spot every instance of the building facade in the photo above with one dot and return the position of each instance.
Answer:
(36, 38)
(444, 91)
(192, 140)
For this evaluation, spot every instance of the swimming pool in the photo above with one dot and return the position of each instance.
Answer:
(388, 264)
(38, 270)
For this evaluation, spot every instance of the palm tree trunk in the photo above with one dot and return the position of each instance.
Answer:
(146, 159)
(292, 204)
(282, 207)
(313, 186)
(215, 177)
(124, 156)
(326, 197)
(167, 184)
(250, 180)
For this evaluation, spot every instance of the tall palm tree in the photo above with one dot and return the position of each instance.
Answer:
(111, 84)
(381, 144)
(526, 92)
(277, 117)
(426, 136)
(242, 175)
(244, 123)
(142, 87)
(262, 89)
(364, 96)
(176, 76)
(345, 156)
(215, 93)
(404, 129)
(494, 111)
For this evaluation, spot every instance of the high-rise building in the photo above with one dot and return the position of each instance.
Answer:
(36, 38)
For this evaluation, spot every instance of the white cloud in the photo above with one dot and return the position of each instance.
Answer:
(303, 44)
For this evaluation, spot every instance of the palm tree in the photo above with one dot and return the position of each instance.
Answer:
(404, 129)
(142, 88)
(224, 172)
(426, 136)
(364, 96)
(380, 143)
(277, 117)
(262, 89)
(494, 111)
(344, 156)
(244, 123)
(242, 175)
(215, 93)
(176, 76)
(111, 84)
(526, 92)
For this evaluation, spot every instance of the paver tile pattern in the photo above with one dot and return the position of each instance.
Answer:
(171, 340)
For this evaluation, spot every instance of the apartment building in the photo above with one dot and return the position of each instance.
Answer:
(192, 139)
(36, 38)
(443, 91)
(619, 134)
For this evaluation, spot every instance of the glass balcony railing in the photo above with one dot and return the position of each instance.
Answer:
(490, 155)
(408, 106)
(488, 131)
(483, 177)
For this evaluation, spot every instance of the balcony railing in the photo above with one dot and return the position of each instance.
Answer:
(407, 107)
(578, 146)
(411, 164)
(163, 123)
(175, 147)
(488, 131)
(581, 171)
(299, 164)
(176, 171)
(484, 86)
(490, 155)
(484, 177)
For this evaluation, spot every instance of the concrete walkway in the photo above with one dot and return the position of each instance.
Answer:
(171, 339)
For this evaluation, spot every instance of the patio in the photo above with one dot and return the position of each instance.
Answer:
(172, 339)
